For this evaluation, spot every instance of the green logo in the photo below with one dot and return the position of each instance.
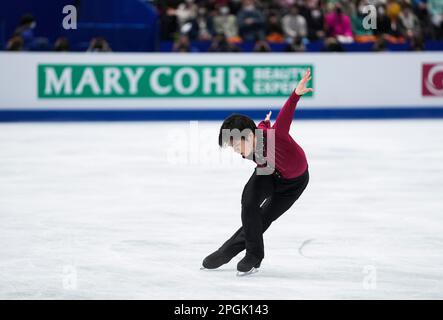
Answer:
(168, 81)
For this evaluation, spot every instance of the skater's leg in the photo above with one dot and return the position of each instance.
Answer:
(258, 189)
(274, 207)
(235, 244)
(254, 192)
(277, 206)
(287, 191)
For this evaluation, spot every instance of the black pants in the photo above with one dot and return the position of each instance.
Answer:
(264, 199)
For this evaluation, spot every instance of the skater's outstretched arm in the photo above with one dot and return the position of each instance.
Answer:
(284, 117)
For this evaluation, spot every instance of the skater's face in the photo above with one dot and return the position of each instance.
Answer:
(244, 146)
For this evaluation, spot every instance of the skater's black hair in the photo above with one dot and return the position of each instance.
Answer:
(235, 121)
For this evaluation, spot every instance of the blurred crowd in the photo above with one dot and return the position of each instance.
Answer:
(24, 39)
(228, 23)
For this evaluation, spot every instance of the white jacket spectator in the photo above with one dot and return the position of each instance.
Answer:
(226, 23)
(410, 21)
(185, 12)
(294, 24)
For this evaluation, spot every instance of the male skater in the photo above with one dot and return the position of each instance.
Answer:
(268, 193)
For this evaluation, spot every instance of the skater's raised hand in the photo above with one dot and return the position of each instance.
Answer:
(301, 87)
(268, 116)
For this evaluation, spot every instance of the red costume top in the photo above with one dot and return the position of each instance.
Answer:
(290, 159)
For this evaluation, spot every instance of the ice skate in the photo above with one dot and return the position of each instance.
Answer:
(248, 265)
(215, 260)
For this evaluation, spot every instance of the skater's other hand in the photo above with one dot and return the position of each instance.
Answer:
(301, 87)
(268, 116)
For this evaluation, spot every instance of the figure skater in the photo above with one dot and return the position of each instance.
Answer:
(276, 183)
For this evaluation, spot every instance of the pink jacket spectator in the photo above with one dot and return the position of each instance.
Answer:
(338, 24)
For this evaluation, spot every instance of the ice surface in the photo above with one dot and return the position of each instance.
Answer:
(128, 211)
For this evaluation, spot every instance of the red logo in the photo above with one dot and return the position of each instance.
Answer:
(432, 80)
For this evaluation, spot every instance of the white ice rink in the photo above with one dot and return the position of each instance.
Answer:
(120, 211)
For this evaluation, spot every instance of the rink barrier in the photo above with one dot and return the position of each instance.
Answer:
(137, 87)
(61, 115)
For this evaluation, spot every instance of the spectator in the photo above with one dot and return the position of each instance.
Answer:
(182, 44)
(99, 45)
(226, 23)
(221, 44)
(383, 22)
(333, 45)
(286, 4)
(235, 6)
(396, 31)
(262, 46)
(314, 19)
(219, 3)
(417, 43)
(274, 31)
(436, 12)
(202, 27)
(25, 30)
(268, 7)
(168, 21)
(250, 21)
(61, 45)
(294, 25)
(338, 25)
(380, 45)
(348, 7)
(420, 9)
(16, 43)
(410, 22)
(185, 12)
(296, 45)
(330, 5)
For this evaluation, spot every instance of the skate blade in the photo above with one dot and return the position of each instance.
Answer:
(207, 269)
(242, 274)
